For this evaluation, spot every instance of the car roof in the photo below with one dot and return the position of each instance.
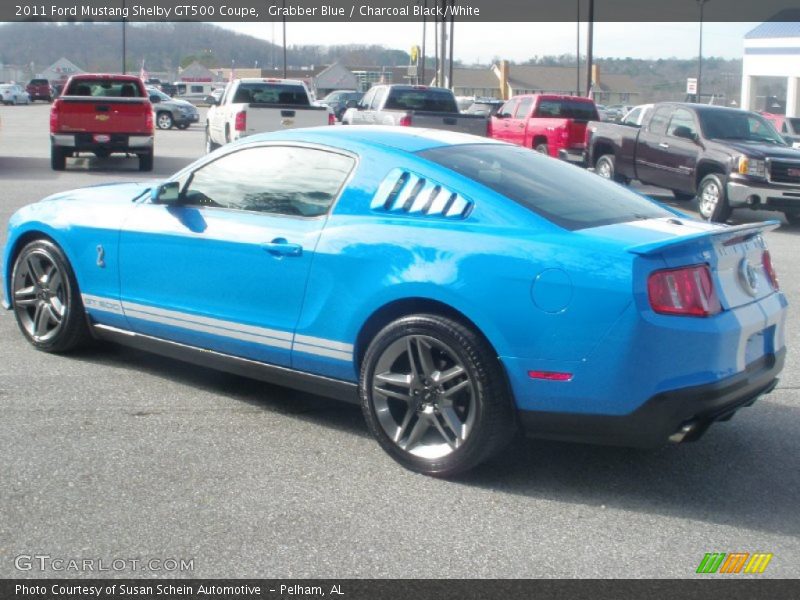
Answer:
(398, 138)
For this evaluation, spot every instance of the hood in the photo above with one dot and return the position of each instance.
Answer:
(760, 150)
(106, 193)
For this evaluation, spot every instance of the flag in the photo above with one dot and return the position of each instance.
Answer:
(143, 75)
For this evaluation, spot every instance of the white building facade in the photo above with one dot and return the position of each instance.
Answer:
(772, 50)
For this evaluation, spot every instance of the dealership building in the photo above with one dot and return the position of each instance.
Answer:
(772, 50)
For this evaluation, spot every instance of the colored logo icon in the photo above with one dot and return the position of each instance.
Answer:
(734, 562)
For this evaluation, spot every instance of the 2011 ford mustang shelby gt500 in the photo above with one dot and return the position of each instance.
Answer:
(457, 287)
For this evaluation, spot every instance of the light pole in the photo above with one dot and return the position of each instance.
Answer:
(124, 49)
(578, 48)
(700, 51)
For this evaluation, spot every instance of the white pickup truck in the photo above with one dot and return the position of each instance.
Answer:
(251, 106)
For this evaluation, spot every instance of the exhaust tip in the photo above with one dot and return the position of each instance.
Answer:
(683, 433)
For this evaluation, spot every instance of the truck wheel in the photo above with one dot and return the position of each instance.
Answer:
(210, 145)
(164, 120)
(792, 217)
(606, 167)
(58, 158)
(682, 196)
(711, 200)
(434, 395)
(146, 162)
(542, 149)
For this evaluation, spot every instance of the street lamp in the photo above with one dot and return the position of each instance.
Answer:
(701, 3)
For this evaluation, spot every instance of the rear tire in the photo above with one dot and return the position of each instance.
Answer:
(58, 158)
(606, 167)
(46, 300)
(435, 396)
(712, 202)
(146, 162)
(542, 149)
(164, 120)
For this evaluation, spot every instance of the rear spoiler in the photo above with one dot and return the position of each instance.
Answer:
(726, 235)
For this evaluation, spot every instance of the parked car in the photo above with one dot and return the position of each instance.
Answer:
(615, 112)
(636, 115)
(550, 124)
(788, 127)
(102, 114)
(171, 112)
(11, 93)
(456, 287)
(413, 106)
(39, 89)
(258, 105)
(337, 101)
(486, 107)
(727, 158)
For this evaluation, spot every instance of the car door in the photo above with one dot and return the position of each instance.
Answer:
(225, 267)
(518, 123)
(648, 150)
(679, 152)
(501, 122)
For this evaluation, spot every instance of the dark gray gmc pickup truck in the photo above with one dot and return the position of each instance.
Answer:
(725, 157)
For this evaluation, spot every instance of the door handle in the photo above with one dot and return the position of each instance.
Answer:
(663, 145)
(280, 247)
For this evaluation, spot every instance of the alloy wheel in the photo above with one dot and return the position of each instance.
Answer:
(709, 198)
(40, 296)
(423, 396)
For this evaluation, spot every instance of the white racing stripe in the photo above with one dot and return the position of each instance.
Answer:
(228, 329)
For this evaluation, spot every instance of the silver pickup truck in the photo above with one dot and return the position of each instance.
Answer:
(413, 106)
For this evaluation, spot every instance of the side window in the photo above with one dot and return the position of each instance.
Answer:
(279, 180)
(682, 124)
(523, 108)
(784, 129)
(632, 118)
(509, 108)
(378, 98)
(365, 101)
(658, 124)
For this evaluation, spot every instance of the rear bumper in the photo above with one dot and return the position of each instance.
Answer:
(763, 195)
(117, 142)
(677, 415)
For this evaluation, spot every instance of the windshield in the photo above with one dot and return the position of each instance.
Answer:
(738, 125)
(162, 96)
(559, 192)
(271, 93)
(794, 125)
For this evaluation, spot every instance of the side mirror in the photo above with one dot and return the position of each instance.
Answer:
(211, 101)
(685, 133)
(155, 99)
(168, 193)
(501, 115)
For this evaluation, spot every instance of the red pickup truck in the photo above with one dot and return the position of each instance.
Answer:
(102, 114)
(550, 124)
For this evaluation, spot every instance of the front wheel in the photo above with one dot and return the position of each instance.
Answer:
(46, 300)
(712, 202)
(434, 395)
(164, 120)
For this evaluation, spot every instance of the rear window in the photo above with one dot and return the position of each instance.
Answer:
(420, 99)
(271, 93)
(107, 88)
(39, 82)
(569, 197)
(795, 123)
(567, 109)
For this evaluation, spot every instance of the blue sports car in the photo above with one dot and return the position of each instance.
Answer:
(459, 288)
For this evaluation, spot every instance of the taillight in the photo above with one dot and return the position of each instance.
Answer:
(489, 127)
(54, 116)
(769, 270)
(405, 121)
(688, 291)
(149, 124)
(331, 119)
(240, 122)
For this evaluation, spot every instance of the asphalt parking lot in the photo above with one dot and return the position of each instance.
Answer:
(116, 454)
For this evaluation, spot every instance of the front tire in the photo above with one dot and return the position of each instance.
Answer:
(164, 120)
(46, 300)
(712, 202)
(434, 395)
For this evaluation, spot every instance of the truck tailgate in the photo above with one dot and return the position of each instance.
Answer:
(102, 115)
(472, 124)
(274, 117)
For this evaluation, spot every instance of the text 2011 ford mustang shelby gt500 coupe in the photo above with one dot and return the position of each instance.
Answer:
(459, 288)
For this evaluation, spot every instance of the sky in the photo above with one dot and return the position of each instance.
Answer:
(482, 42)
